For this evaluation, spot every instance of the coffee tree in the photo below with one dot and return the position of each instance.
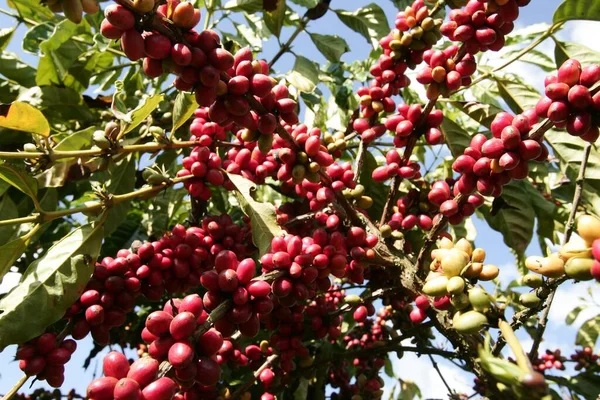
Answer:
(261, 235)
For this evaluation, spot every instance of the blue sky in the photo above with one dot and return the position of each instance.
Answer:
(410, 367)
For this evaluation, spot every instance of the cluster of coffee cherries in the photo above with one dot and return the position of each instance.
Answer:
(577, 259)
(454, 266)
(173, 264)
(205, 165)
(408, 118)
(226, 83)
(585, 359)
(171, 335)
(367, 334)
(441, 195)
(416, 31)
(482, 25)
(233, 280)
(45, 357)
(489, 164)
(74, 9)
(318, 313)
(443, 74)
(549, 360)
(569, 103)
(136, 381)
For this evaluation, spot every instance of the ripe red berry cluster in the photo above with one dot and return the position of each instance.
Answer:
(250, 162)
(412, 211)
(136, 381)
(232, 279)
(203, 130)
(482, 25)
(442, 193)
(407, 119)
(44, 357)
(367, 334)
(443, 74)
(586, 359)
(318, 312)
(205, 166)
(171, 334)
(549, 360)
(568, 102)
(489, 164)
(419, 312)
(287, 326)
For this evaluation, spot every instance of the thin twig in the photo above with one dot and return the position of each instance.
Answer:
(435, 366)
(248, 384)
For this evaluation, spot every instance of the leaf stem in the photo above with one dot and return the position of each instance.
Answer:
(515, 346)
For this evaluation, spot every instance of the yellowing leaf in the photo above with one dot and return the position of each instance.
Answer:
(23, 117)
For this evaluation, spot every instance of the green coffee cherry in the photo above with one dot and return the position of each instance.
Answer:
(460, 301)
(456, 285)
(353, 299)
(436, 287)
(529, 300)
(479, 299)
(533, 281)
(265, 143)
(156, 179)
(579, 268)
(101, 140)
(470, 322)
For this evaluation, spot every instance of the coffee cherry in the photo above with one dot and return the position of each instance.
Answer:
(115, 365)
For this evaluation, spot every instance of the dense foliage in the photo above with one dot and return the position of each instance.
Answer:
(255, 235)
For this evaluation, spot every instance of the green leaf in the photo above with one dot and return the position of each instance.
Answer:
(135, 117)
(306, 3)
(250, 6)
(588, 332)
(456, 138)
(534, 57)
(8, 210)
(60, 53)
(23, 117)
(515, 222)
(16, 70)
(569, 152)
(185, 104)
(565, 50)
(262, 215)
(6, 35)
(32, 9)
(120, 180)
(59, 104)
(388, 368)
(377, 190)
(274, 19)
(370, 21)
(516, 94)
(50, 285)
(480, 112)
(409, 390)
(572, 316)
(35, 36)
(577, 9)
(77, 140)
(163, 210)
(301, 392)
(21, 180)
(331, 46)
(11, 251)
(305, 75)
